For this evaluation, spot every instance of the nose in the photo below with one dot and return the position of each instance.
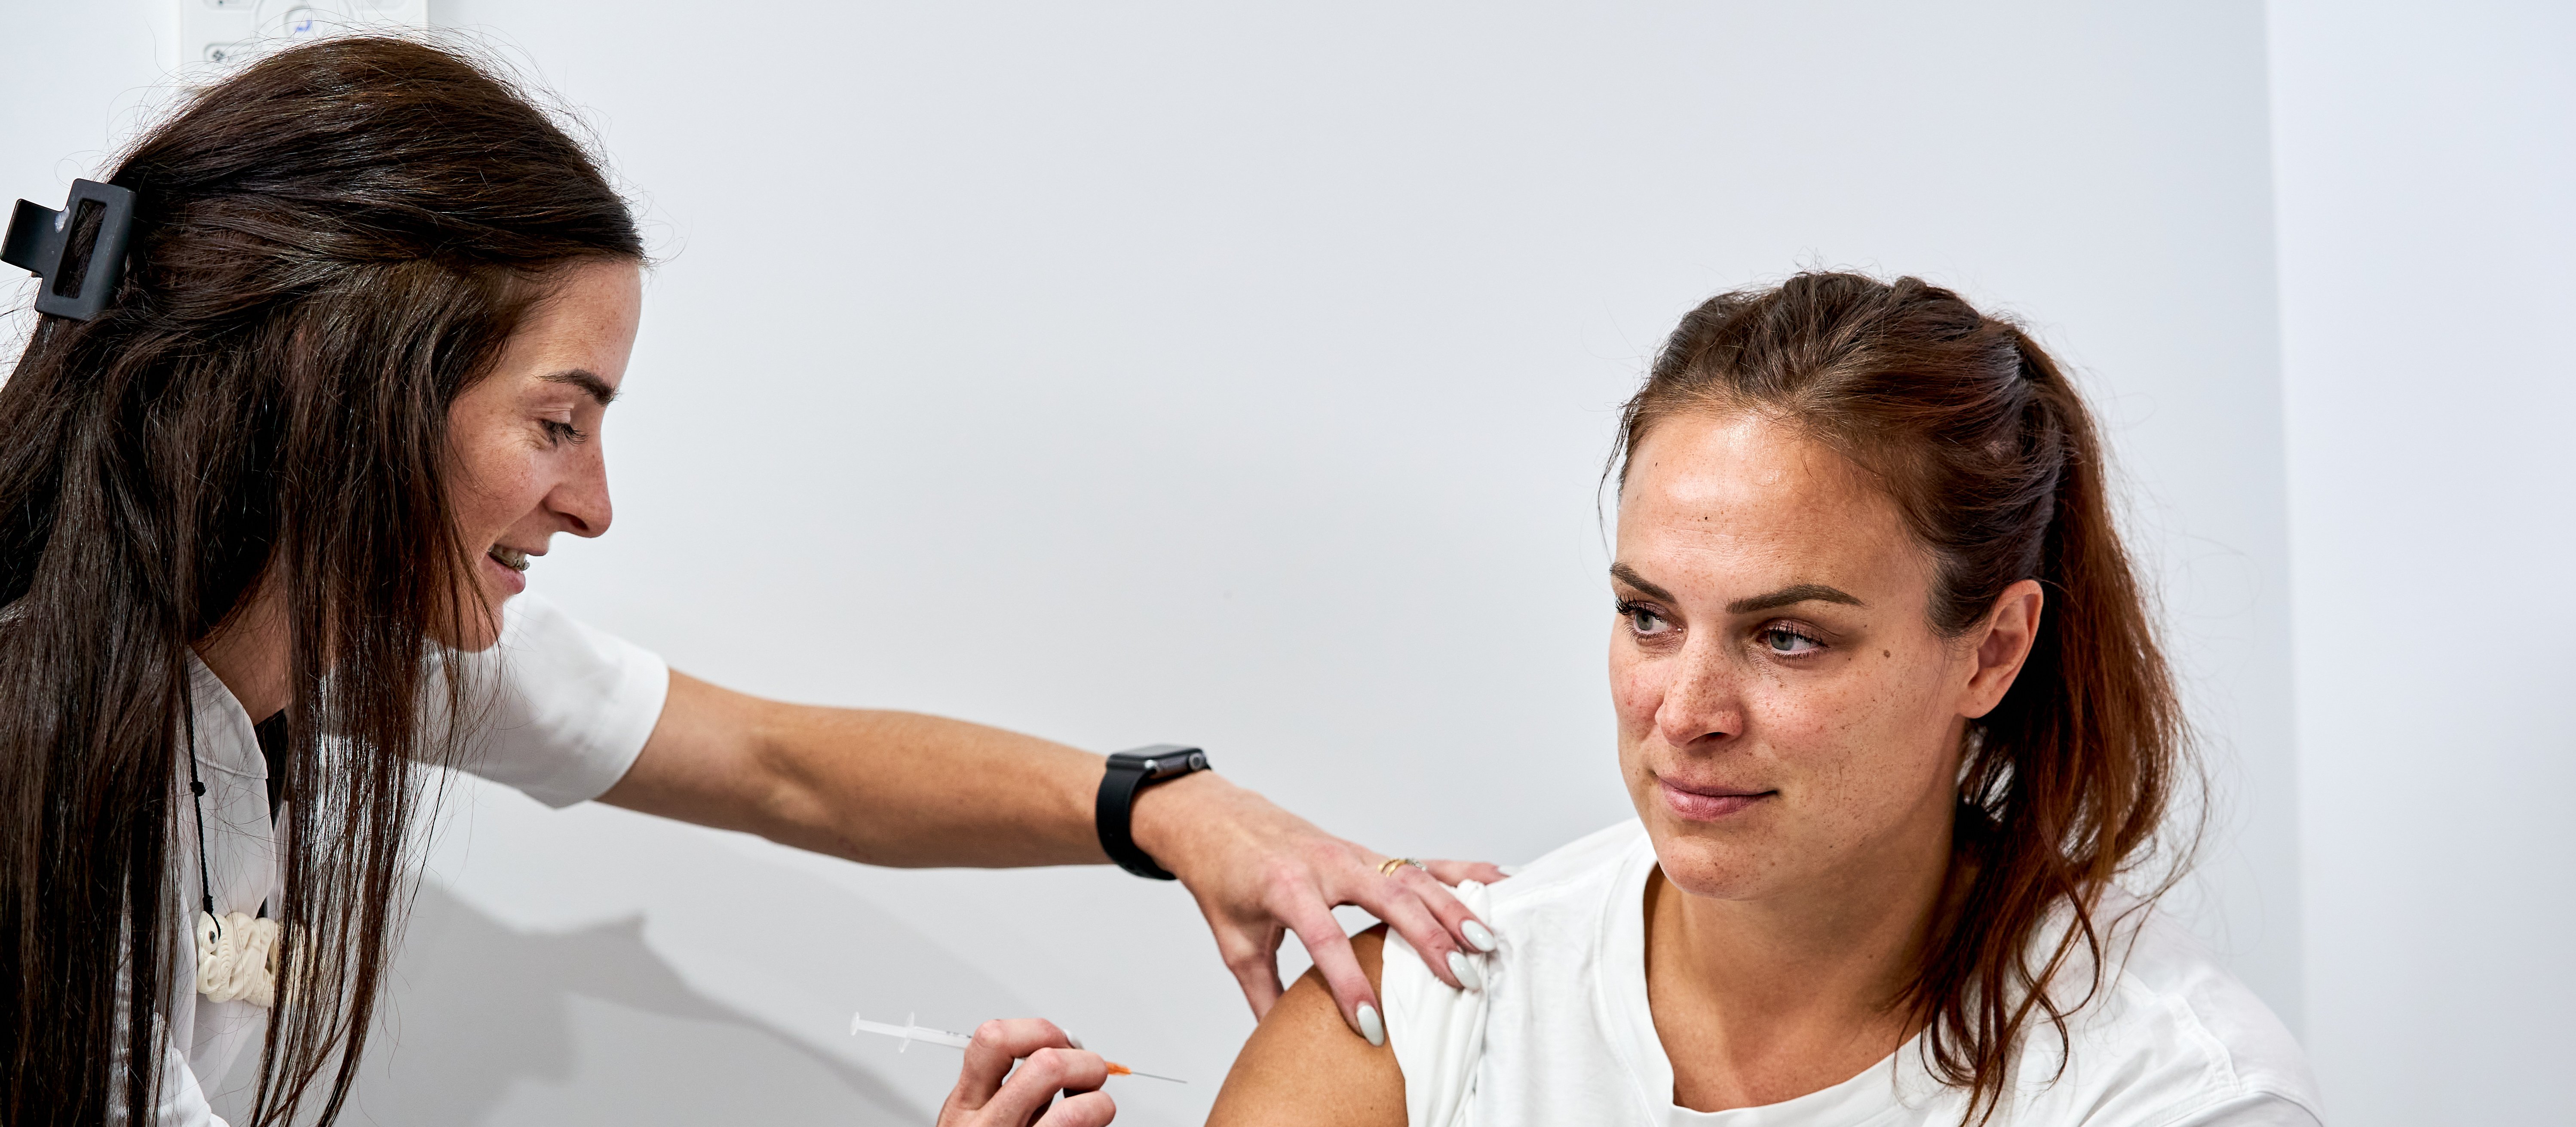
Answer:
(581, 500)
(1703, 703)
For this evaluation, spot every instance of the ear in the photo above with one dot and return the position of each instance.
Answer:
(2002, 644)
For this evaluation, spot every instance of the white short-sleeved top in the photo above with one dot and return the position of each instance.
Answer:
(563, 711)
(1562, 1032)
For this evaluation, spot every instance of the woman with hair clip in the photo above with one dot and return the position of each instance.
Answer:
(1896, 727)
(317, 373)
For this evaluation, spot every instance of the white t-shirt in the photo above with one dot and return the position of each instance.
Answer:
(566, 709)
(1562, 1032)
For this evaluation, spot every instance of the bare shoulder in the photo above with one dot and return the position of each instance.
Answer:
(1305, 1066)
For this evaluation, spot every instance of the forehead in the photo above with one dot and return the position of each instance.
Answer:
(587, 321)
(1752, 502)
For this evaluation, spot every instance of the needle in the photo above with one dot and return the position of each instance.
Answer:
(910, 1033)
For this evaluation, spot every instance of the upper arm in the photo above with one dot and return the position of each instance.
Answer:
(1305, 1066)
(556, 709)
(702, 762)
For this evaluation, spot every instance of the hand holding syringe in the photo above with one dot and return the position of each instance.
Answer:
(910, 1033)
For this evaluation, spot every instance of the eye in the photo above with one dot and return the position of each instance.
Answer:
(1646, 621)
(562, 432)
(1785, 640)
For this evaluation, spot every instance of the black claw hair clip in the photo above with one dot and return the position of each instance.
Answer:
(40, 238)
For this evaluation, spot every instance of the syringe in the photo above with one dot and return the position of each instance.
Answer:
(910, 1033)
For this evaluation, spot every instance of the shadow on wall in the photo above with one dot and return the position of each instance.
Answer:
(487, 1026)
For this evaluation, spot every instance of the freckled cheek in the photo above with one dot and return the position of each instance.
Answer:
(1808, 719)
(1636, 692)
(1908, 702)
(1873, 748)
(500, 487)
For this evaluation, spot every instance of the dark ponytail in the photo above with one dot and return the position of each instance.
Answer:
(329, 247)
(1998, 469)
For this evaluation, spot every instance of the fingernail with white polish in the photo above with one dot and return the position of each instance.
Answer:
(1478, 935)
(1371, 1027)
(1468, 975)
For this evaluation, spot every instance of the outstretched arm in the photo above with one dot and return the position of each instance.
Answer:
(1299, 1068)
(899, 788)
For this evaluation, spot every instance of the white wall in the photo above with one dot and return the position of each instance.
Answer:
(1130, 371)
(2427, 164)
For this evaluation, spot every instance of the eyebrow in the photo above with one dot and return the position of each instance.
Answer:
(1628, 575)
(1800, 593)
(583, 379)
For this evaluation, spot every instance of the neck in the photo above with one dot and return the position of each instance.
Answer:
(1772, 998)
(249, 655)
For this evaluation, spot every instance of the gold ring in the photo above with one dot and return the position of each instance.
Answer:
(1388, 867)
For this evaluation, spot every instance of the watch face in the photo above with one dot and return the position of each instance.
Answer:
(1176, 763)
(1163, 761)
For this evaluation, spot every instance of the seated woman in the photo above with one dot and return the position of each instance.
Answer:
(1895, 723)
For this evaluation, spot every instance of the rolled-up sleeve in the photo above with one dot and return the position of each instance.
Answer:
(565, 708)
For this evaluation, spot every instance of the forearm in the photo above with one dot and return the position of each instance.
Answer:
(885, 788)
(904, 789)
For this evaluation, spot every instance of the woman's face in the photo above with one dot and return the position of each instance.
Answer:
(1789, 721)
(525, 438)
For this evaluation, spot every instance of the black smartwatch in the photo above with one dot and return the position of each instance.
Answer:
(1129, 773)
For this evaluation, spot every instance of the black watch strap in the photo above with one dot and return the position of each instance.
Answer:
(1130, 772)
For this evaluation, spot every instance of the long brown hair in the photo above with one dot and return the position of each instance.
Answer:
(329, 247)
(1992, 458)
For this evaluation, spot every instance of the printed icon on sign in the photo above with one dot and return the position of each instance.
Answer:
(228, 33)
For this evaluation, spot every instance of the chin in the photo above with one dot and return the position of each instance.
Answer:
(1722, 866)
(480, 629)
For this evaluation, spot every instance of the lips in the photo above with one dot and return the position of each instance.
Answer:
(509, 574)
(1709, 803)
